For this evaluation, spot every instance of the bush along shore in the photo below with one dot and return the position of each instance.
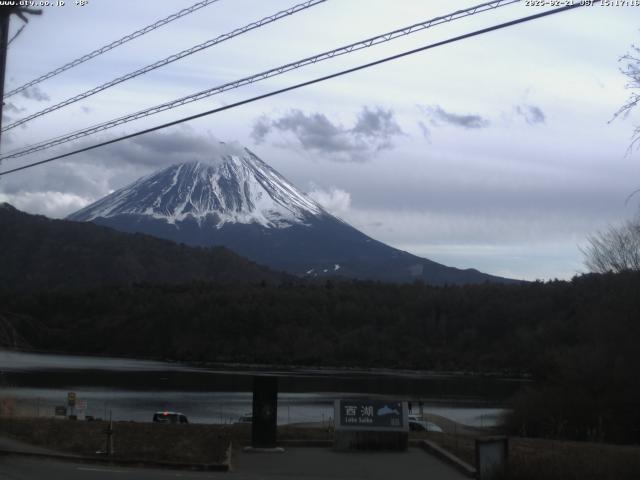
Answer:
(547, 459)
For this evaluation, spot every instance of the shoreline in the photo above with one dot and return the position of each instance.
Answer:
(320, 370)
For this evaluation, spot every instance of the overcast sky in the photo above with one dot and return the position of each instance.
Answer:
(495, 153)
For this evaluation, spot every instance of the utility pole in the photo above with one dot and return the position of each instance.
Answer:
(5, 20)
(4, 43)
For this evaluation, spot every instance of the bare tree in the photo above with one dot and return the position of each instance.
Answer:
(631, 69)
(618, 248)
(615, 250)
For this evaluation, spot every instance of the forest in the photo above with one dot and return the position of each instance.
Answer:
(577, 339)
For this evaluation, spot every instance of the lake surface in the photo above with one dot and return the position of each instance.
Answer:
(131, 389)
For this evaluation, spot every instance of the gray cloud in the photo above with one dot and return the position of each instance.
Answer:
(60, 188)
(55, 189)
(10, 107)
(373, 131)
(315, 132)
(531, 114)
(260, 130)
(377, 124)
(176, 142)
(437, 116)
(335, 200)
(153, 151)
(61, 177)
(35, 93)
(426, 133)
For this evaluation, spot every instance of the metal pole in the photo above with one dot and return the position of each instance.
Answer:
(455, 430)
(110, 435)
(4, 41)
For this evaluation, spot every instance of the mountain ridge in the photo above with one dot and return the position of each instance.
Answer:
(238, 201)
(40, 253)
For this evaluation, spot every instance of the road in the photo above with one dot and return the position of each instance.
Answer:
(295, 463)
(25, 468)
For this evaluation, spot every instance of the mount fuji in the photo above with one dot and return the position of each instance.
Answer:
(238, 201)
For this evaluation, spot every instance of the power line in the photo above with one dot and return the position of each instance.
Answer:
(170, 59)
(385, 37)
(112, 45)
(15, 35)
(261, 76)
(302, 84)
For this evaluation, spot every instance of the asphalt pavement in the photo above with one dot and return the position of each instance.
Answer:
(323, 463)
(27, 468)
(294, 463)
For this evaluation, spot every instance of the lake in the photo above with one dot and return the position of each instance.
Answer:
(131, 389)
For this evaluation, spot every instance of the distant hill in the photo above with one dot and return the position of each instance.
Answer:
(41, 253)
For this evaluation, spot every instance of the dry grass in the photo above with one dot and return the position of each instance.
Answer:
(7, 406)
(191, 443)
(529, 459)
(543, 459)
(144, 441)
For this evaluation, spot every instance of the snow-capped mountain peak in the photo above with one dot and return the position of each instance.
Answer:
(235, 200)
(235, 186)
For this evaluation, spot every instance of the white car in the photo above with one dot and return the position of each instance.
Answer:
(244, 419)
(418, 424)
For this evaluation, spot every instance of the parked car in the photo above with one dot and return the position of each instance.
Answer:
(169, 417)
(243, 419)
(417, 424)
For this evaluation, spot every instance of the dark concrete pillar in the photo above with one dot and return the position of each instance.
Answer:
(265, 412)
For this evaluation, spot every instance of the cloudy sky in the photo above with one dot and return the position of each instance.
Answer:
(497, 153)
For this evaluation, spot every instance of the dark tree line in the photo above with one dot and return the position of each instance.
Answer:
(578, 339)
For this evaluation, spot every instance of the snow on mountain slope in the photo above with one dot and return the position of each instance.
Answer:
(235, 187)
(237, 201)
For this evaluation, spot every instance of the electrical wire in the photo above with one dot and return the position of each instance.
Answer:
(170, 59)
(385, 37)
(16, 35)
(302, 84)
(112, 45)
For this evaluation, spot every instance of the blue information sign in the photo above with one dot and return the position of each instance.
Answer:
(371, 413)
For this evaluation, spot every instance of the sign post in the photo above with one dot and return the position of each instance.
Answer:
(81, 408)
(265, 412)
(71, 402)
(491, 457)
(371, 424)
